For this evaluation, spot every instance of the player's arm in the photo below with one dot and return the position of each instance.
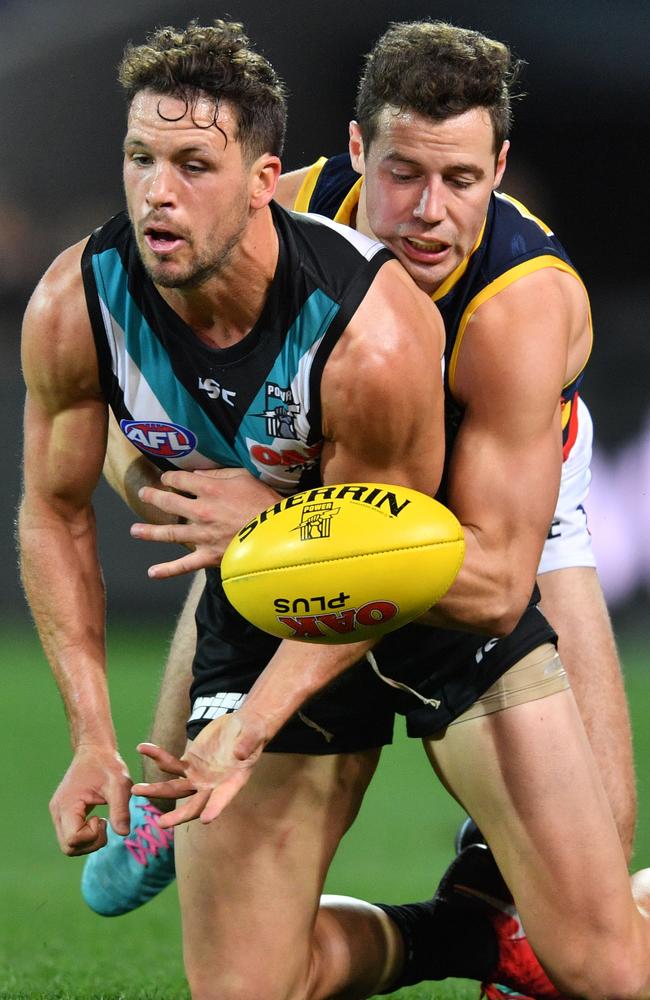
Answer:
(382, 406)
(289, 185)
(506, 463)
(65, 436)
(127, 471)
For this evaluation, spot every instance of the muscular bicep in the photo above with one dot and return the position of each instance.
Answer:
(65, 414)
(504, 478)
(382, 395)
(506, 461)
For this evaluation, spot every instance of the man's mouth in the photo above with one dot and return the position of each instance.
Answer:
(426, 251)
(428, 246)
(162, 241)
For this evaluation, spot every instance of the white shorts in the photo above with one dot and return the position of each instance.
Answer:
(569, 541)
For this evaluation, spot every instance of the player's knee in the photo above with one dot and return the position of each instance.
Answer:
(616, 971)
(211, 984)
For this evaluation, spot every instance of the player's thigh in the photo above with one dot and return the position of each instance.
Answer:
(250, 882)
(573, 602)
(527, 776)
(173, 702)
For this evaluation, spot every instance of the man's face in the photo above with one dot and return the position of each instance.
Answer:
(427, 187)
(187, 187)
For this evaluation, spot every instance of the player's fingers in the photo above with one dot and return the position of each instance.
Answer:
(189, 810)
(200, 559)
(170, 533)
(223, 795)
(184, 482)
(91, 838)
(175, 788)
(75, 835)
(118, 808)
(167, 500)
(231, 473)
(163, 758)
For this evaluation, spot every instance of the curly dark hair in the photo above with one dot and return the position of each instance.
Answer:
(215, 61)
(437, 70)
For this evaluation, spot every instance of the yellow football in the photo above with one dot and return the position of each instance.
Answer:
(343, 563)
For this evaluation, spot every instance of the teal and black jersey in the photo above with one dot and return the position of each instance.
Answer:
(255, 404)
(511, 244)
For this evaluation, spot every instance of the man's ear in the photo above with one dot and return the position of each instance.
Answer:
(355, 147)
(265, 173)
(501, 164)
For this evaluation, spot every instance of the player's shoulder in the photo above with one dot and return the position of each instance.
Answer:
(516, 235)
(328, 257)
(60, 286)
(327, 232)
(57, 343)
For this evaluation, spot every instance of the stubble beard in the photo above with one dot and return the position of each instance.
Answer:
(199, 271)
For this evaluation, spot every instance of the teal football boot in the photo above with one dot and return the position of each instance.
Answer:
(129, 871)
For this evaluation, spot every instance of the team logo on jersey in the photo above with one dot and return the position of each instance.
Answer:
(280, 412)
(158, 438)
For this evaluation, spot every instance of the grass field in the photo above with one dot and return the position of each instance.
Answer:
(51, 946)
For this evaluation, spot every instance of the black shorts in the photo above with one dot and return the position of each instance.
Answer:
(356, 711)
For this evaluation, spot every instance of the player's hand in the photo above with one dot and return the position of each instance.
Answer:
(96, 776)
(215, 766)
(214, 504)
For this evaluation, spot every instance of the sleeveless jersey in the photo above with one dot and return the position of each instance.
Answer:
(512, 243)
(255, 404)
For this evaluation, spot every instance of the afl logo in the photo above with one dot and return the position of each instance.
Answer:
(160, 439)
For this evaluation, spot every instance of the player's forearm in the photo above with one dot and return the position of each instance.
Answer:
(492, 589)
(295, 673)
(65, 591)
(127, 472)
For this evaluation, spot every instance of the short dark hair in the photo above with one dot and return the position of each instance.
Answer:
(437, 70)
(214, 61)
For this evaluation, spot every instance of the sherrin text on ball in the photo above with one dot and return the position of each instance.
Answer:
(343, 563)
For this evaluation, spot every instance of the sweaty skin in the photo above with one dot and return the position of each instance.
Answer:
(213, 268)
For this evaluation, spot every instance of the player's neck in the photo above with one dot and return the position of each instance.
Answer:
(224, 309)
(361, 222)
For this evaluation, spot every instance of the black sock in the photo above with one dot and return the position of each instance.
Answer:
(440, 941)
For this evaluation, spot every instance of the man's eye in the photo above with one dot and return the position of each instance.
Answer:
(402, 178)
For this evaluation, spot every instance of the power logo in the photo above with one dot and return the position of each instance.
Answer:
(165, 440)
(316, 520)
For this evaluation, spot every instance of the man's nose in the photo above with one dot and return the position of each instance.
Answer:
(432, 205)
(160, 192)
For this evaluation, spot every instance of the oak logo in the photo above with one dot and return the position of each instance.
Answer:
(341, 622)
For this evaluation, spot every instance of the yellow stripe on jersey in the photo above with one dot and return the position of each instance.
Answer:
(349, 204)
(525, 212)
(496, 286)
(301, 203)
(459, 271)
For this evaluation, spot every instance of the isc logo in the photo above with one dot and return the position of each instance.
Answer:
(340, 622)
(157, 438)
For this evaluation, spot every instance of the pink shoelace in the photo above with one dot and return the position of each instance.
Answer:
(149, 839)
